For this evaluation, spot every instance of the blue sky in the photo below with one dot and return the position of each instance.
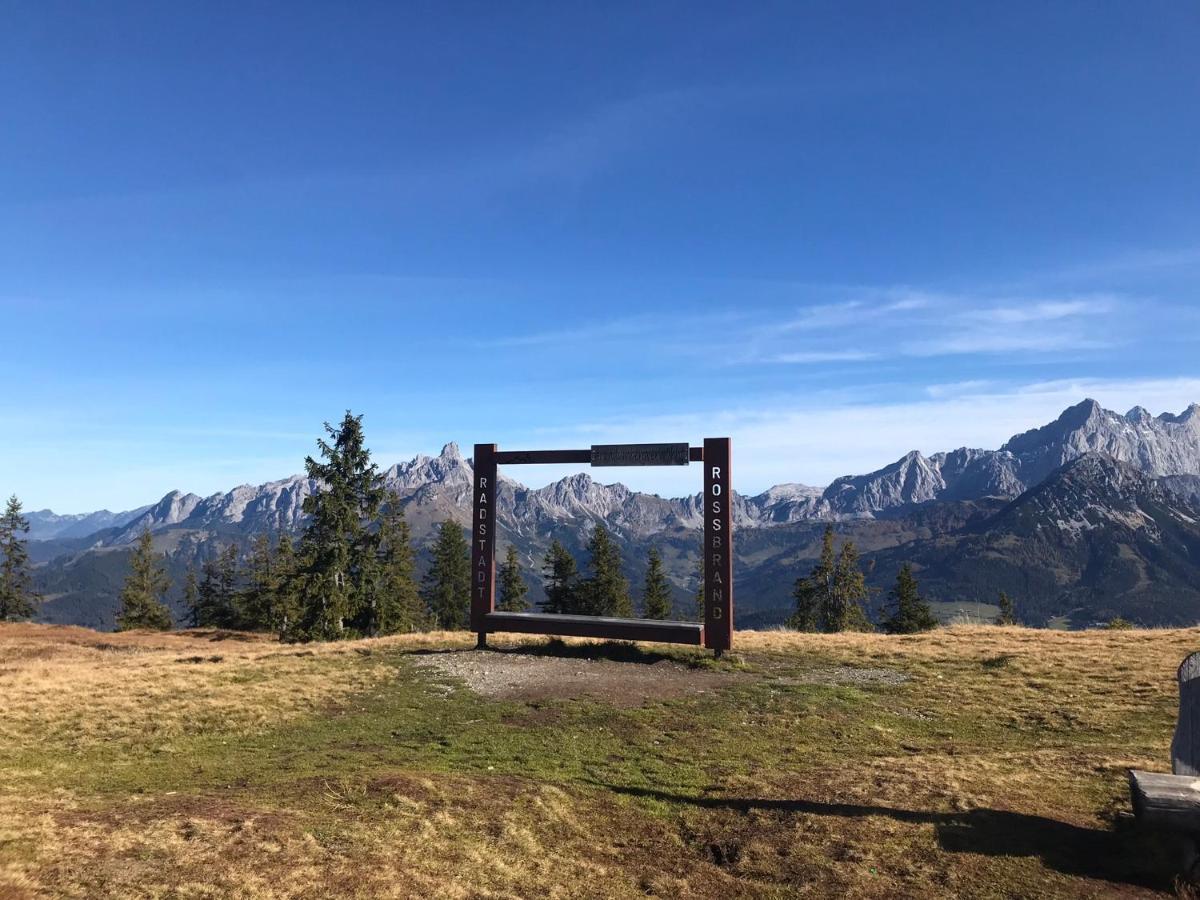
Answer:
(834, 231)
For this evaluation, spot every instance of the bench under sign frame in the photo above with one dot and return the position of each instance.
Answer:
(714, 633)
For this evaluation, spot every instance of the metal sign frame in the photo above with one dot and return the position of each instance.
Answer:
(716, 631)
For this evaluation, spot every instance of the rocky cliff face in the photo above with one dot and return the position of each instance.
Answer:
(1096, 539)
(1158, 446)
(46, 525)
(440, 486)
(1166, 445)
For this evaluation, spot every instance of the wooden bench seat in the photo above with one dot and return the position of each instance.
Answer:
(596, 627)
(1166, 801)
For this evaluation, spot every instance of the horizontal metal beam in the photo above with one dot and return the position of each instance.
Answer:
(521, 457)
(544, 457)
(597, 627)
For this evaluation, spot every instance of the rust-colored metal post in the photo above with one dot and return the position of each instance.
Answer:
(483, 539)
(718, 545)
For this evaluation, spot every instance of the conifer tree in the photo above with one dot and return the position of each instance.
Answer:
(512, 586)
(285, 605)
(910, 612)
(813, 593)
(700, 589)
(16, 594)
(1008, 612)
(849, 594)
(219, 599)
(830, 598)
(142, 603)
(447, 585)
(398, 606)
(256, 599)
(338, 550)
(656, 593)
(560, 576)
(191, 597)
(605, 592)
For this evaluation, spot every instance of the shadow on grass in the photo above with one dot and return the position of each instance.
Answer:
(1123, 855)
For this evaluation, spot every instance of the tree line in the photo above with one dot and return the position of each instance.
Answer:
(833, 595)
(353, 571)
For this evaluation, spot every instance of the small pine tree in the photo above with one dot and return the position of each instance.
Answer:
(285, 605)
(399, 606)
(1008, 612)
(142, 603)
(700, 589)
(830, 598)
(560, 577)
(656, 594)
(191, 597)
(17, 599)
(219, 599)
(911, 613)
(606, 591)
(255, 600)
(447, 585)
(849, 594)
(512, 586)
(813, 593)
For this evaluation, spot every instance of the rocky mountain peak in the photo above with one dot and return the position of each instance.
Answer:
(451, 452)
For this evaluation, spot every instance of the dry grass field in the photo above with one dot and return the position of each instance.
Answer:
(973, 761)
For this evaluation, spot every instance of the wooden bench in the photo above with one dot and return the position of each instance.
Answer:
(596, 627)
(1166, 801)
(1173, 801)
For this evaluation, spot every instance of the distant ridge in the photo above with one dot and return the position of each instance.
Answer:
(903, 511)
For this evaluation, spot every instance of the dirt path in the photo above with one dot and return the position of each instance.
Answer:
(514, 675)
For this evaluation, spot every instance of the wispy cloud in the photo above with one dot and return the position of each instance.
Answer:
(879, 324)
(1041, 311)
(1026, 326)
(821, 356)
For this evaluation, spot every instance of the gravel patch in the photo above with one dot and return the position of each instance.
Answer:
(513, 675)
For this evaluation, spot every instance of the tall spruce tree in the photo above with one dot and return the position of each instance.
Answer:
(656, 593)
(447, 584)
(191, 597)
(605, 592)
(700, 589)
(338, 549)
(219, 600)
(257, 598)
(560, 578)
(285, 606)
(142, 603)
(849, 594)
(831, 597)
(398, 606)
(512, 586)
(1008, 611)
(17, 599)
(813, 593)
(910, 612)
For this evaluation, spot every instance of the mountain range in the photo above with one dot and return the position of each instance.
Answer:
(1090, 516)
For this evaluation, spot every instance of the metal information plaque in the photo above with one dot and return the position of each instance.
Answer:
(639, 454)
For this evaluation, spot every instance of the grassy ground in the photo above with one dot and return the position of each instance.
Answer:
(974, 761)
